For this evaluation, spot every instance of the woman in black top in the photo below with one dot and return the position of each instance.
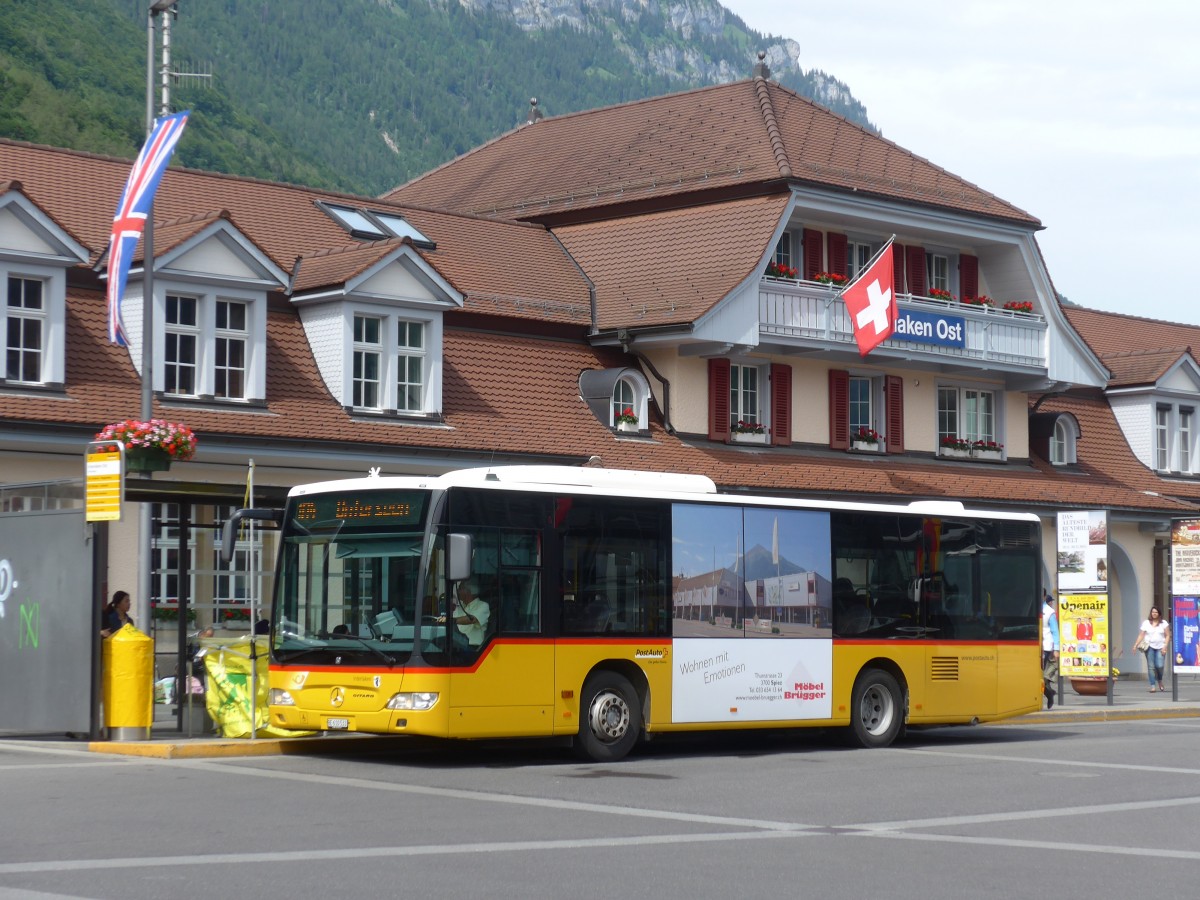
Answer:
(116, 615)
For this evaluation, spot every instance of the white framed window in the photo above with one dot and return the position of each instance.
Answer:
(25, 330)
(937, 269)
(367, 362)
(231, 341)
(1064, 440)
(783, 249)
(744, 400)
(967, 413)
(858, 254)
(1174, 438)
(182, 346)
(862, 403)
(624, 397)
(1162, 438)
(410, 365)
(1185, 438)
(213, 346)
(392, 360)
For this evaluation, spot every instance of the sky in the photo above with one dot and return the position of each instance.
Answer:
(1083, 113)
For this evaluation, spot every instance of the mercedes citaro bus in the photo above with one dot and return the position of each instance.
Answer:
(611, 606)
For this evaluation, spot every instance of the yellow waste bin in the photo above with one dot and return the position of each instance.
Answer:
(128, 685)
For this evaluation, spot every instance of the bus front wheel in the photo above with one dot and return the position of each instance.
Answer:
(876, 709)
(612, 716)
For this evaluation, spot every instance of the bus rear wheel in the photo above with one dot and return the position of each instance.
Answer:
(612, 715)
(876, 709)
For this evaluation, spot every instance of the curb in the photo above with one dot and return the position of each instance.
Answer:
(1100, 715)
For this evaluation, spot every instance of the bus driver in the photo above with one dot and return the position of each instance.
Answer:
(470, 614)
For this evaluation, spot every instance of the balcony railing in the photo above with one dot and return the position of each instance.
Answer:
(804, 313)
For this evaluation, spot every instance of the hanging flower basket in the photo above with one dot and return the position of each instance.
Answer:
(151, 446)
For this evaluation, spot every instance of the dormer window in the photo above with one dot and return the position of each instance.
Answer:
(35, 253)
(373, 316)
(609, 392)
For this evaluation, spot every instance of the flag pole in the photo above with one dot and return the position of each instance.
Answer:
(145, 509)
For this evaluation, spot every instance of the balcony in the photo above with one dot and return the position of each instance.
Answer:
(804, 314)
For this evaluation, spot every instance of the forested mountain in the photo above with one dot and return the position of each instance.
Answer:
(362, 95)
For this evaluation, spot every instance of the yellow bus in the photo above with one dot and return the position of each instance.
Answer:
(610, 606)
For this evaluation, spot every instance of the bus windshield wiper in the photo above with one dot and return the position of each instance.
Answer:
(390, 660)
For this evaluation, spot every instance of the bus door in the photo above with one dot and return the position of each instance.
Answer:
(504, 684)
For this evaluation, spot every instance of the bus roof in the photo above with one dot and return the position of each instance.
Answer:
(665, 485)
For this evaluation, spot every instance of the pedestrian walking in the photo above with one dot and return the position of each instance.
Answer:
(1153, 639)
(1049, 648)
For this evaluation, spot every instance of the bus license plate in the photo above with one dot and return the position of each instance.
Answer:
(337, 723)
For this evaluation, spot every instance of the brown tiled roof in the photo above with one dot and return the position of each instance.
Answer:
(1142, 366)
(645, 275)
(533, 278)
(746, 135)
(1114, 334)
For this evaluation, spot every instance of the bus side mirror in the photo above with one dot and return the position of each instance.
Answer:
(458, 556)
(230, 529)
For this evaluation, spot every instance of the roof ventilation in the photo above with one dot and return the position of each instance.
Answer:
(761, 70)
(535, 114)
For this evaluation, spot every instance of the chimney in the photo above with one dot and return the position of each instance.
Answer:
(760, 68)
(535, 114)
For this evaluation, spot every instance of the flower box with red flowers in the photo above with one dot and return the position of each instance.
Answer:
(864, 438)
(939, 294)
(748, 432)
(831, 278)
(779, 270)
(627, 420)
(1021, 306)
(954, 447)
(987, 449)
(981, 300)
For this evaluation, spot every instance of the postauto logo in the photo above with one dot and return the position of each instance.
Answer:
(7, 583)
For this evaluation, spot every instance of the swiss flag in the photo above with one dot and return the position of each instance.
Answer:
(871, 303)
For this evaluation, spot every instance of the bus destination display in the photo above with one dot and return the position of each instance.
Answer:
(362, 507)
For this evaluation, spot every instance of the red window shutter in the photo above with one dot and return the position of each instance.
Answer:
(916, 270)
(814, 247)
(893, 398)
(781, 406)
(718, 400)
(839, 409)
(968, 276)
(898, 268)
(837, 253)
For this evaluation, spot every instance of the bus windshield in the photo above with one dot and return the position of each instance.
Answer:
(350, 576)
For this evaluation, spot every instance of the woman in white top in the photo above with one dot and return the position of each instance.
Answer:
(1157, 634)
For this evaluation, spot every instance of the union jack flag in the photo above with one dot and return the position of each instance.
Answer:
(136, 203)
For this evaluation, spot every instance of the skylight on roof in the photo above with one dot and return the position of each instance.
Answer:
(374, 224)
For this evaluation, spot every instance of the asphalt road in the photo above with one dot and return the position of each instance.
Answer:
(1071, 809)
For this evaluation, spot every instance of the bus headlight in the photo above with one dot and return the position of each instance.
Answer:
(415, 700)
(280, 697)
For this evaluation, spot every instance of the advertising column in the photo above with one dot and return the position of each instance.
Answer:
(1185, 599)
(1083, 620)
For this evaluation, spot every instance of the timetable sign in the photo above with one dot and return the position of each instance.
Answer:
(103, 481)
